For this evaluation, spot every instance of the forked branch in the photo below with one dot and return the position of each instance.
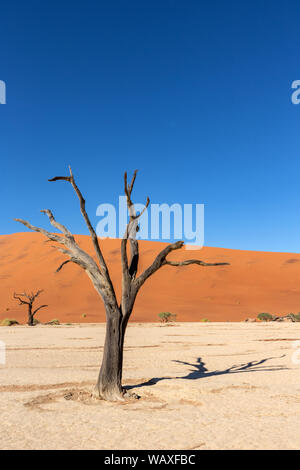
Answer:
(71, 180)
(161, 260)
(98, 274)
(130, 268)
(39, 308)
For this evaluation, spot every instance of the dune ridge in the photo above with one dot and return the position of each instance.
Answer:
(254, 282)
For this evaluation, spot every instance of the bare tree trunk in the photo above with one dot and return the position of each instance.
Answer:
(109, 384)
(30, 316)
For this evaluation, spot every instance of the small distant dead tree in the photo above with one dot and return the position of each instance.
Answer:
(29, 299)
(109, 384)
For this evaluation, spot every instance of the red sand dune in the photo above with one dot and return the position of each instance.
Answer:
(254, 282)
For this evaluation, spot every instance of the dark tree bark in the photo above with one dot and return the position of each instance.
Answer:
(30, 299)
(109, 384)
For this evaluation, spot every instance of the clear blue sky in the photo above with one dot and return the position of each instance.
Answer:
(195, 94)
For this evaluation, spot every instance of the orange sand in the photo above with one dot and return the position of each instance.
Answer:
(254, 282)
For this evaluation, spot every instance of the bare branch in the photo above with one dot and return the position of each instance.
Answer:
(98, 275)
(63, 264)
(63, 250)
(56, 224)
(74, 260)
(129, 188)
(132, 181)
(102, 263)
(18, 297)
(30, 297)
(34, 296)
(51, 236)
(130, 268)
(161, 260)
(193, 261)
(61, 178)
(39, 308)
(76, 254)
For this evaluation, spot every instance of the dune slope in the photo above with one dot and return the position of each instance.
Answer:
(254, 282)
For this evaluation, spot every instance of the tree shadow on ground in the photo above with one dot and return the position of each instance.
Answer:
(199, 371)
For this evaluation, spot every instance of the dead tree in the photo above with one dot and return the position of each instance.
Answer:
(30, 299)
(109, 384)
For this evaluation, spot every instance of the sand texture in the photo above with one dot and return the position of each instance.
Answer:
(202, 386)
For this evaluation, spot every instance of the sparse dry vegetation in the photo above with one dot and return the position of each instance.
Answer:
(9, 322)
(166, 317)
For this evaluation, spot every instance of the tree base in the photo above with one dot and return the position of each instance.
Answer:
(114, 395)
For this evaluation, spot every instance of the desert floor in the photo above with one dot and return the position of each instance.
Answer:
(202, 386)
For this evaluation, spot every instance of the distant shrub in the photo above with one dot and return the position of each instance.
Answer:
(9, 322)
(53, 322)
(265, 317)
(36, 321)
(166, 317)
(83, 315)
(204, 320)
(294, 317)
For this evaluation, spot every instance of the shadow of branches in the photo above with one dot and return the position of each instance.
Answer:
(199, 371)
